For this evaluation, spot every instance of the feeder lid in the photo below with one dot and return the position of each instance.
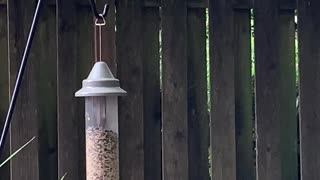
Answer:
(100, 82)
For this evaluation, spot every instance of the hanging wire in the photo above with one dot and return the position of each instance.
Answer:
(99, 24)
(100, 21)
(20, 76)
(100, 43)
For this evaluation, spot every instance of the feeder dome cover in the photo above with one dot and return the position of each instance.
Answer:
(100, 82)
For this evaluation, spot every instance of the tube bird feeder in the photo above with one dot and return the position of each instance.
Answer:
(101, 91)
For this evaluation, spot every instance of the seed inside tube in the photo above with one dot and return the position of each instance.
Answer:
(102, 154)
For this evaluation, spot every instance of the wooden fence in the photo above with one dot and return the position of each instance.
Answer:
(165, 122)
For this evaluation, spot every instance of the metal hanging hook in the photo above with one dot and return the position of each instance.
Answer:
(100, 21)
(103, 15)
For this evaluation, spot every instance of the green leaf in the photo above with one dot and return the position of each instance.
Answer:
(64, 176)
(15, 153)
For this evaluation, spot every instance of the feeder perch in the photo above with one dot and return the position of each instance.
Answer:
(101, 91)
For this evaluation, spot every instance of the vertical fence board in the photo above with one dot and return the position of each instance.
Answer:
(197, 4)
(287, 98)
(45, 56)
(74, 59)
(288, 4)
(174, 95)
(151, 91)
(25, 120)
(275, 92)
(198, 116)
(267, 90)
(243, 4)
(4, 87)
(130, 73)
(151, 2)
(309, 47)
(85, 61)
(223, 93)
(243, 96)
(68, 124)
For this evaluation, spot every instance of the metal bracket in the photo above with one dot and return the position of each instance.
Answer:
(96, 13)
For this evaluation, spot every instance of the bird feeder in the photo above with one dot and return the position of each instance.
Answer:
(101, 91)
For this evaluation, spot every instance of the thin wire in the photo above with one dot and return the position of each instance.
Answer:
(20, 75)
(100, 43)
(95, 44)
(99, 23)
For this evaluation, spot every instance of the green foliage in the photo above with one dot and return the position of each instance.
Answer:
(208, 61)
(63, 177)
(16, 152)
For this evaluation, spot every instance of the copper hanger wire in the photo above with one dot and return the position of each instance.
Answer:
(100, 21)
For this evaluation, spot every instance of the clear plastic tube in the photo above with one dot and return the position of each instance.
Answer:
(102, 152)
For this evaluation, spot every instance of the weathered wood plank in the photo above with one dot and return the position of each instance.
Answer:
(68, 119)
(287, 85)
(222, 90)
(75, 55)
(151, 91)
(243, 97)
(197, 3)
(4, 88)
(267, 90)
(85, 61)
(190, 4)
(151, 3)
(243, 4)
(309, 47)
(45, 57)
(174, 95)
(288, 4)
(25, 121)
(78, 3)
(198, 115)
(108, 35)
(275, 92)
(130, 73)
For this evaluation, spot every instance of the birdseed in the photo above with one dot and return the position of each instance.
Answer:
(102, 154)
